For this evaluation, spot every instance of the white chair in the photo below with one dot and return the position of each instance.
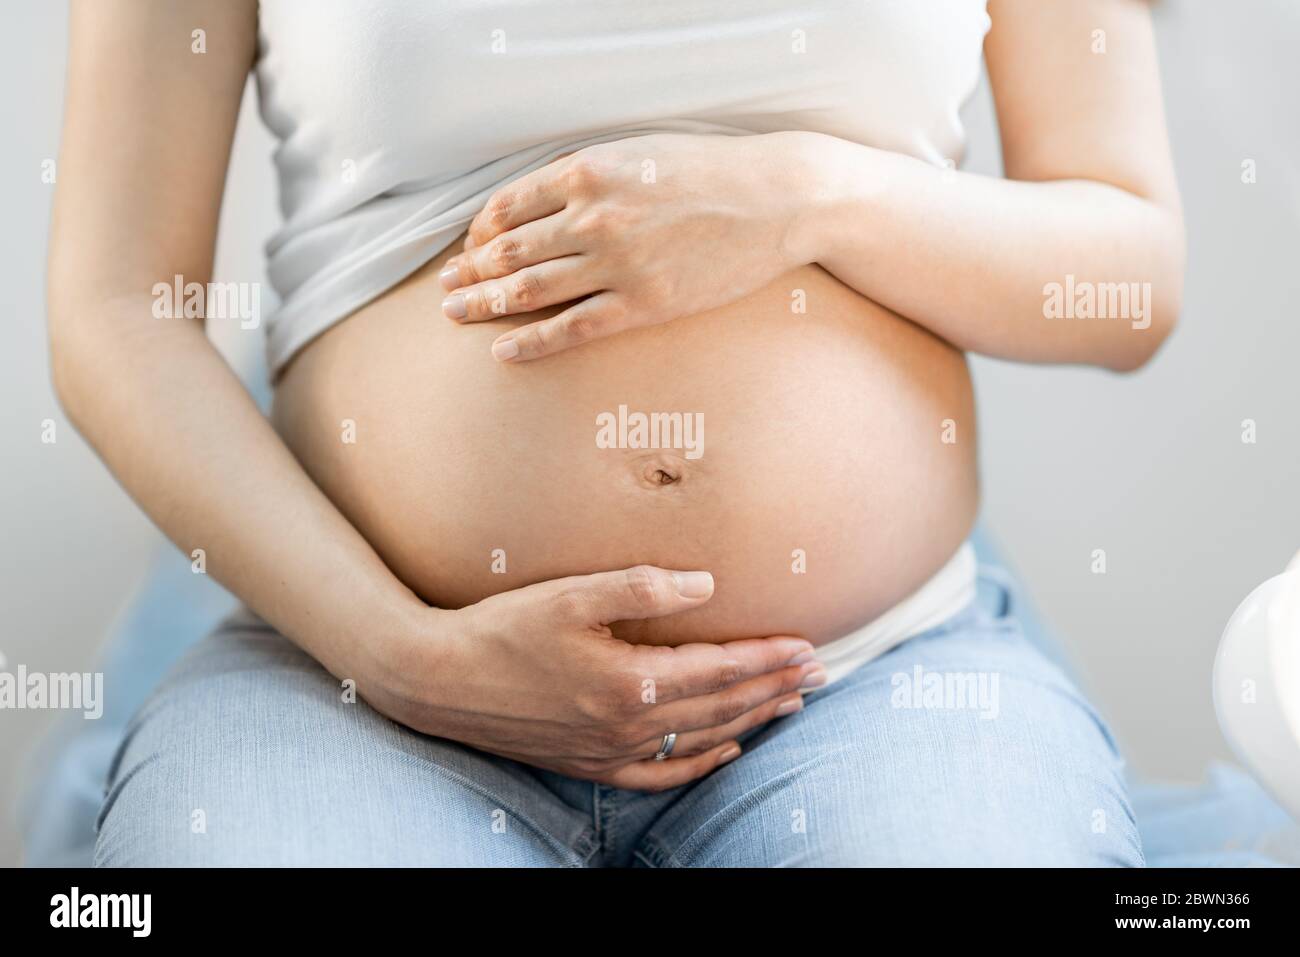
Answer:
(1257, 685)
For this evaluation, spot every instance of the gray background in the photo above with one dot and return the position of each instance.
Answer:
(1149, 467)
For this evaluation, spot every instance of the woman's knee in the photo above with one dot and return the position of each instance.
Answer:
(251, 754)
(930, 756)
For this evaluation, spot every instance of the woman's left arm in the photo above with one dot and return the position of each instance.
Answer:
(1088, 222)
(1090, 207)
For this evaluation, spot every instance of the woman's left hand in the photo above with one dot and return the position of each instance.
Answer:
(631, 233)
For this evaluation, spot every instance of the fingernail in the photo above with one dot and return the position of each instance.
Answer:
(693, 584)
(789, 707)
(450, 278)
(802, 658)
(453, 307)
(814, 679)
(730, 754)
(504, 349)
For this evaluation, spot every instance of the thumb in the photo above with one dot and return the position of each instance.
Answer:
(643, 591)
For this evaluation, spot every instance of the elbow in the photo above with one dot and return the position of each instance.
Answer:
(1159, 304)
(65, 375)
(71, 353)
(1139, 343)
(82, 332)
(60, 310)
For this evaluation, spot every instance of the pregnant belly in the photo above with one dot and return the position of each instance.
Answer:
(819, 462)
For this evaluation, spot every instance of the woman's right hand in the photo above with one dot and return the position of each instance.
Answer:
(536, 675)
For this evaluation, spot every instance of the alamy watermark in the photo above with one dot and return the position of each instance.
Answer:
(214, 300)
(22, 690)
(946, 691)
(651, 430)
(75, 909)
(1073, 299)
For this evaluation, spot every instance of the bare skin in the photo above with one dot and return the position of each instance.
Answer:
(535, 673)
(822, 437)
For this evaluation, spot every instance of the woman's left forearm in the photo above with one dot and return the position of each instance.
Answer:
(1070, 270)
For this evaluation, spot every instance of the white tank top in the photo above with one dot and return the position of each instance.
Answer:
(397, 119)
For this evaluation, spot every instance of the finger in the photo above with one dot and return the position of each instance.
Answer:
(533, 287)
(526, 245)
(661, 775)
(708, 713)
(701, 723)
(690, 743)
(699, 669)
(532, 196)
(594, 318)
(643, 591)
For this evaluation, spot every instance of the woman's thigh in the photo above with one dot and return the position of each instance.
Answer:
(251, 754)
(963, 746)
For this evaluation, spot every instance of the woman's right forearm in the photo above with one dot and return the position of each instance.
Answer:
(185, 439)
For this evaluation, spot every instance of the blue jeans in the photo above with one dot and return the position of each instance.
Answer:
(962, 746)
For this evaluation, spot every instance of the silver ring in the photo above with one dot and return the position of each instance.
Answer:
(666, 748)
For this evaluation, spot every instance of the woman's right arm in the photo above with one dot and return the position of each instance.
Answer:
(147, 135)
(146, 140)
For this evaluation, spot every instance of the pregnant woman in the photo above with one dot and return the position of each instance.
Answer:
(614, 502)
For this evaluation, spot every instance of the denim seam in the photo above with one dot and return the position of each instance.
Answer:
(653, 856)
(111, 793)
(586, 847)
(106, 805)
(609, 810)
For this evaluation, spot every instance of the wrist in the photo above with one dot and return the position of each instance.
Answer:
(401, 671)
(386, 644)
(814, 190)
